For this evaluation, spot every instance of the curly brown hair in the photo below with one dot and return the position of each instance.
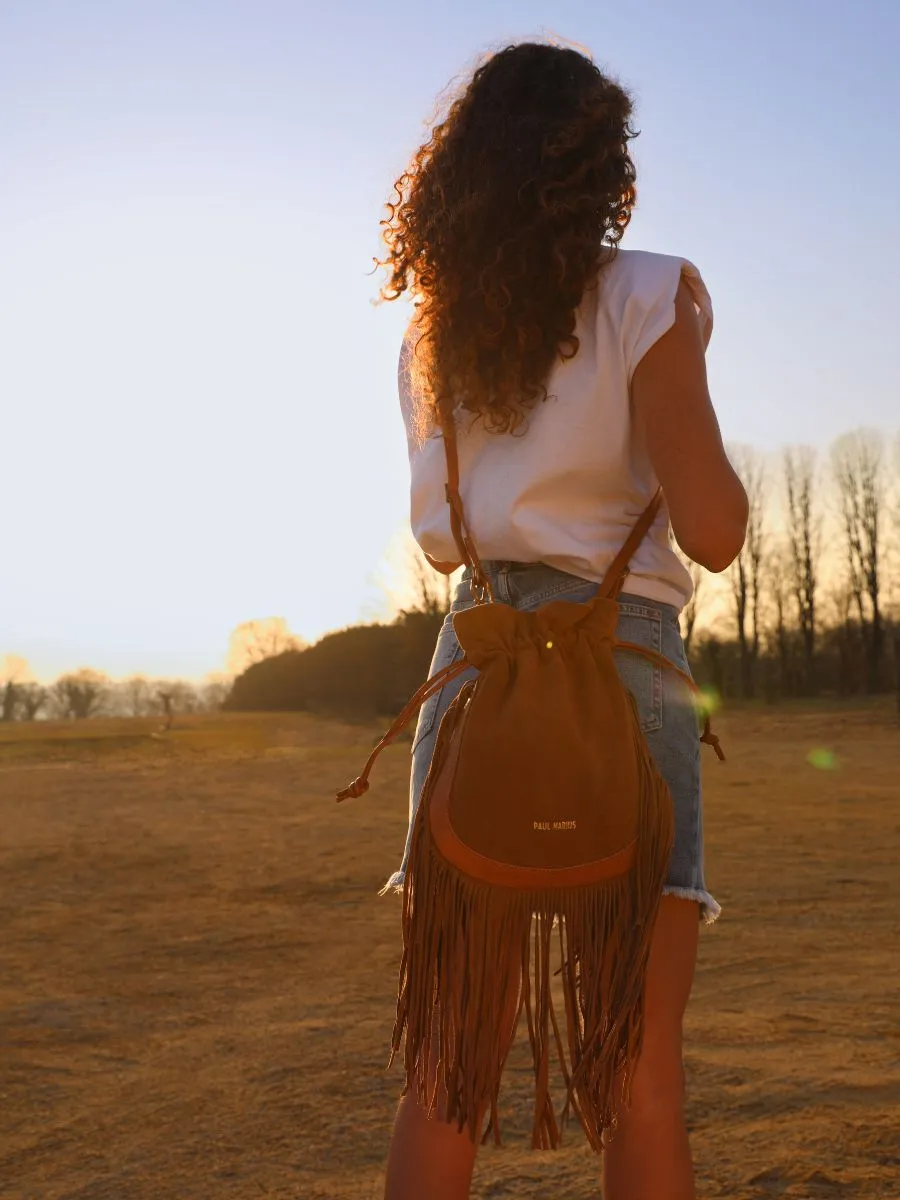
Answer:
(502, 220)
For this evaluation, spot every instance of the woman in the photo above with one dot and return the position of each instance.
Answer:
(576, 376)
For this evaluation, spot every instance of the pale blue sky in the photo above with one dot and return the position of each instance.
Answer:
(199, 401)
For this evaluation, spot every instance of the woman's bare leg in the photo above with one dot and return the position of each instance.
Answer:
(428, 1159)
(649, 1155)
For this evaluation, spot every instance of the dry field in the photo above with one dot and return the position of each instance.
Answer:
(197, 976)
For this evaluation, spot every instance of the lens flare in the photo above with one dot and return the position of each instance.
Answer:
(822, 758)
(708, 700)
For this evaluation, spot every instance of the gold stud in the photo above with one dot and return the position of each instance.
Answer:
(549, 645)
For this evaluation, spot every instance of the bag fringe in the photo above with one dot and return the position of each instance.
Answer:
(471, 949)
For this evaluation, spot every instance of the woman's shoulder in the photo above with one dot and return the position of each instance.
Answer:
(648, 269)
(641, 286)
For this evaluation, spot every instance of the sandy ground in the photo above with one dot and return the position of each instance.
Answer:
(197, 977)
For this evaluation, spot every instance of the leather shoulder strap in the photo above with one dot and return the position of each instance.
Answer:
(618, 568)
(451, 452)
(480, 584)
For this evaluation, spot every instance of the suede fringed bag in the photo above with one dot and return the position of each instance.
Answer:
(542, 811)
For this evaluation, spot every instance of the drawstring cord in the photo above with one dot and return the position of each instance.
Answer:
(360, 785)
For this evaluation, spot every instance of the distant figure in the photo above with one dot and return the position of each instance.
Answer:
(575, 375)
(166, 698)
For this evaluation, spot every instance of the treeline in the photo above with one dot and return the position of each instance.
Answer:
(809, 608)
(374, 669)
(839, 668)
(363, 670)
(78, 695)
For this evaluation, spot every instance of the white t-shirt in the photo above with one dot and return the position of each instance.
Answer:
(567, 491)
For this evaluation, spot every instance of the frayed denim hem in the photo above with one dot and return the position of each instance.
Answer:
(710, 909)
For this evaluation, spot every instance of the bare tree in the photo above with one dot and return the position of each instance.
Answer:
(804, 548)
(857, 463)
(691, 610)
(80, 694)
(745, 573)
(137, 696)
(32, 698)
(710, 654)
(780, 594)
(214, 692)
(253, 641)
(431, 589)
(9, 701)
(14, 672)
(839, 619)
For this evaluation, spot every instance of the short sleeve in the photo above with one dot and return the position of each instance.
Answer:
(658, 305)
(407, 405)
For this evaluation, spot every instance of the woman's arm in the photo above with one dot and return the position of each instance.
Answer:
(670, 397)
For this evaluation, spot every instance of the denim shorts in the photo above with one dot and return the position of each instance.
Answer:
(666, 708)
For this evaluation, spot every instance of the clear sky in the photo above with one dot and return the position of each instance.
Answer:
(199, 417)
